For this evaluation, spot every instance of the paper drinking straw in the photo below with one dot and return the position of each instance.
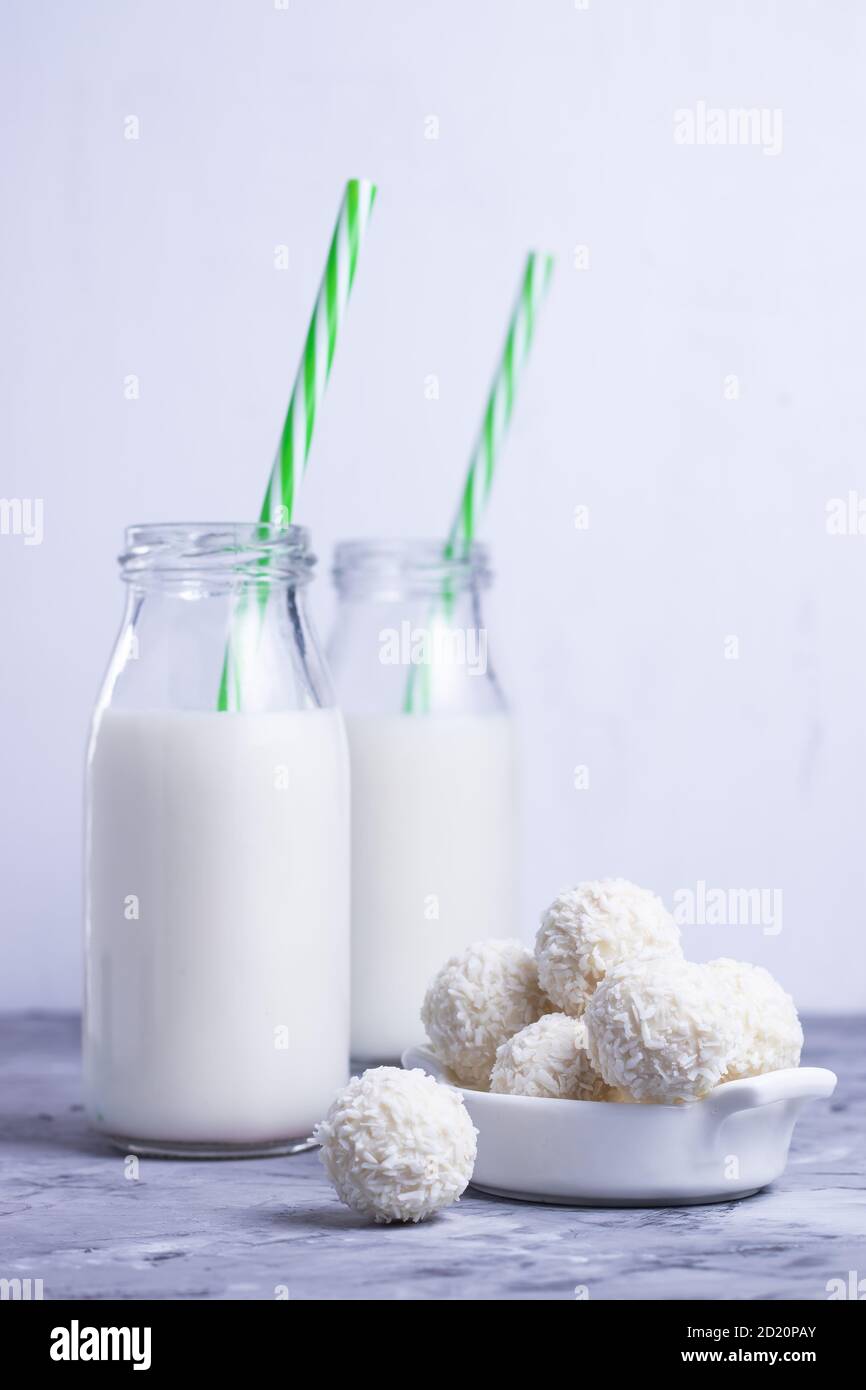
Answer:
(311, 379)
(494, 425)
(315, 365)
(500, 402)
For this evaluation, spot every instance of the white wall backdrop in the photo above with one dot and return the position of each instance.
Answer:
(697, 384)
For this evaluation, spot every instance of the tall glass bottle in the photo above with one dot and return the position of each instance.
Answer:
(217, 847)
(434, 800)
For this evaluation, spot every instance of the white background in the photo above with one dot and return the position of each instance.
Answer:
(707, 515)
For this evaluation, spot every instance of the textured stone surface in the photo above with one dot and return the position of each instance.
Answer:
(69, 1216)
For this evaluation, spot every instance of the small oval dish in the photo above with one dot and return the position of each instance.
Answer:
(604, 1153)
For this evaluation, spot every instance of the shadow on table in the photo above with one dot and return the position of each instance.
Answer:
(42, 1132)
(317, 1218)
(327, 1217)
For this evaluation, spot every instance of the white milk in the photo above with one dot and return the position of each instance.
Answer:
(434, 856)
(217, 985)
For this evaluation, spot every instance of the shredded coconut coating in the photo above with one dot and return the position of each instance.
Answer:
(396, 1145)
(476, 1001)
(589, 929)
(769, 1035)
(548, 1058)
(661, 1030)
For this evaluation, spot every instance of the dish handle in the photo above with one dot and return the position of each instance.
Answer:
(793, 1083)
(426, 1059)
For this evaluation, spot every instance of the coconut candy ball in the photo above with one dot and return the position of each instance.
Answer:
(548, 1058)
(396, 1145)
(476, 1001)
(661, 1030)
(769, 1035)
(591, 928)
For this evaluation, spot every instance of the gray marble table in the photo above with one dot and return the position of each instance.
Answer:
(225, 1230)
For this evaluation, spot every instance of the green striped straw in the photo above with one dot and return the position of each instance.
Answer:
(315, 365)
(311, 379)
(494, 425)
(500, 402)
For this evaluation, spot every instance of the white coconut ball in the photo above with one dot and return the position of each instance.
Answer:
(396, 1145)
(769, 1035)
(589, 929)
(661, 1030)
(477, 1000)
(548, 1058)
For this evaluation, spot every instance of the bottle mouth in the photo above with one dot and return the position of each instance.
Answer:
(251, 550)
(393, 569)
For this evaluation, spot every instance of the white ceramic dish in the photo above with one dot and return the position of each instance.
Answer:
(591, 1153)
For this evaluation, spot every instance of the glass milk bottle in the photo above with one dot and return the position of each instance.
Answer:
(434, 805)
(217, 849)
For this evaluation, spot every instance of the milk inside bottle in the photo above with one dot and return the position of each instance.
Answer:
(216, 988)
(434, 780)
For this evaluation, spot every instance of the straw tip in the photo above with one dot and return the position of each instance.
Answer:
(545, 259)
(363, 187)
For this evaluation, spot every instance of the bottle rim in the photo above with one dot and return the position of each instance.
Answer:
(254, 550)
(392, 567)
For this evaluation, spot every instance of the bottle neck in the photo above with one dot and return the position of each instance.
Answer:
(410, 635)
(216, 621)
